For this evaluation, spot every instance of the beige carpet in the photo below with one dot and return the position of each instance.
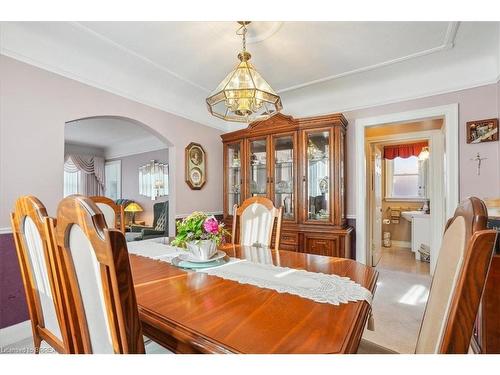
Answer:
(398, 307)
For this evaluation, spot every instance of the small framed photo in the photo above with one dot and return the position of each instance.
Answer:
(196, 172)
(482, 131)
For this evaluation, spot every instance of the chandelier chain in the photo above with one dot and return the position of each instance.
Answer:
(243, 32)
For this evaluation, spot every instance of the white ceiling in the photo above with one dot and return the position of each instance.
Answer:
(295, 54)
(318, 67)
(115, 136)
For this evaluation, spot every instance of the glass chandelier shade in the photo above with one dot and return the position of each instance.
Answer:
(244, 96)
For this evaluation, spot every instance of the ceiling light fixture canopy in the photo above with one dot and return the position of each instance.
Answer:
(244, 96)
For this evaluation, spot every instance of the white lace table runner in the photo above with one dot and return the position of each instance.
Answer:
(319, 287)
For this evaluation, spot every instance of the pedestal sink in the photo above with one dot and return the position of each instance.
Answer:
(420, 229)
(409, 215)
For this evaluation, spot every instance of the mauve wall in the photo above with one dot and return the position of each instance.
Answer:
(36, 104)
(474, 104)
(130, 181)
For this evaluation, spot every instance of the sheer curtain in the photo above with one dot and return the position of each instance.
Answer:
(85, 174)
(71, 183)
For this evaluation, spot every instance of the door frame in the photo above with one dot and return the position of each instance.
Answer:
(436, 186)
(370, 146)
(450, 131)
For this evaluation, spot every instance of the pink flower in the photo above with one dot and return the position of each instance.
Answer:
(211, 225)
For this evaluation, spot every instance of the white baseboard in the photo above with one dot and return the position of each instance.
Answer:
(17, 332)
(5, 230)
(405, 244)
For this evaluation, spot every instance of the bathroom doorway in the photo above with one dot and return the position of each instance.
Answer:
(400, 189)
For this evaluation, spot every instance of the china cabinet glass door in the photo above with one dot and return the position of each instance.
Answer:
(283, 180)
(258, 180)
(234, 176)
(318, 178)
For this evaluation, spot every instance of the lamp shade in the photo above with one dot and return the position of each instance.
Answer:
(133, 207)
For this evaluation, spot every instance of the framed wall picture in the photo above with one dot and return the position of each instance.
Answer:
(482, 131)
(196, 166)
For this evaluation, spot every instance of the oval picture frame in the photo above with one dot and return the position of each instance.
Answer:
(196, 162)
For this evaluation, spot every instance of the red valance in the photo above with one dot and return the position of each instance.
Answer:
(403, 151)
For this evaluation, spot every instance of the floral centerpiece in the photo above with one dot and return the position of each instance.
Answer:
(200, 234)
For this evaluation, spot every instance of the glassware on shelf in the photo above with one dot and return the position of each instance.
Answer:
(318, 175)
(258, 167)
(234, 176)
(287, 206)
(284, 174)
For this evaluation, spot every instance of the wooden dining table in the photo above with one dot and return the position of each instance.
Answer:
(192, 312)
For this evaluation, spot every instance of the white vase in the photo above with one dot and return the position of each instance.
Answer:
(202, 249)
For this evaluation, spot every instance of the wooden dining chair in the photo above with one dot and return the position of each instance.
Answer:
(458, 282)
(113, 213)
(256, 218)
(39, 272)
(96, 280)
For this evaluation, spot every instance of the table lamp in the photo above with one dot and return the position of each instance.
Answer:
(133, 207)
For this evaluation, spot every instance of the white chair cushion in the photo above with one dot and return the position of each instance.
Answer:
(256, 224)
(446, 274)
(41, 277)
(88, 274)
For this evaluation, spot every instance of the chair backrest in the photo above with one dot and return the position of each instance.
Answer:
(160, 215)
(39, 272)
(458, 282)
(113, 213)
(256, 217)
(97, 280)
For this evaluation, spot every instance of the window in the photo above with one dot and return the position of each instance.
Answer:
(405, 178)
(71, 183)
(113, 179)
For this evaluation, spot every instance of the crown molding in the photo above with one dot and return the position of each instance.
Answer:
(113, 90)
(400, 99)
(448, 42)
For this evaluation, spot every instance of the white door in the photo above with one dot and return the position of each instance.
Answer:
(376, 171)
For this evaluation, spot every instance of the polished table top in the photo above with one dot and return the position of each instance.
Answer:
(194, 312)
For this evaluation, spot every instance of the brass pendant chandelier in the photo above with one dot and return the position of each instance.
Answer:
(244, 96)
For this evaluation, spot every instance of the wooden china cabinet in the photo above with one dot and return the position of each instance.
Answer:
(299, 165)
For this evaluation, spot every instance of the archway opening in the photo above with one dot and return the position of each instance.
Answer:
(128, 162)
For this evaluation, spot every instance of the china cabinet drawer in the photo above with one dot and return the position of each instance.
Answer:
(322, 246)
(289, 247)
(289, 238)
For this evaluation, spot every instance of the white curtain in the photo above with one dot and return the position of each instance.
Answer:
(91, 179)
